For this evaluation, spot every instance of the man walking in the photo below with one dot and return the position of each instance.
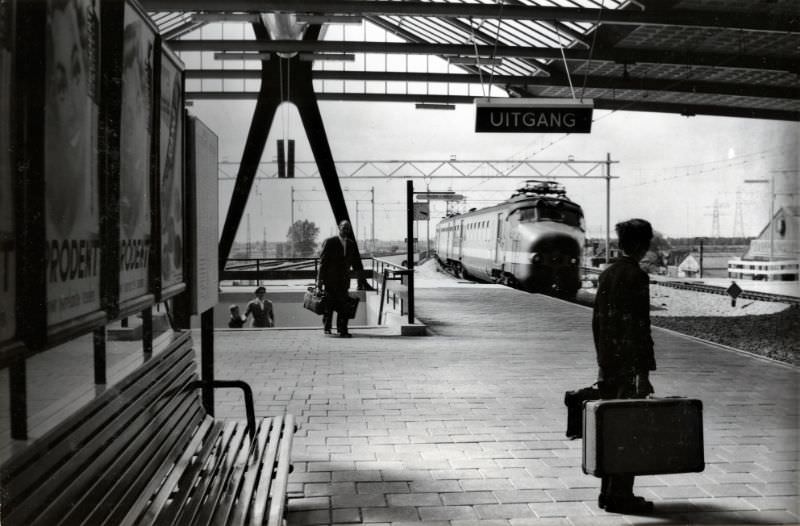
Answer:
(339, 255)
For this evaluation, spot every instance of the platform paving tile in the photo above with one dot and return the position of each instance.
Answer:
(413, 499)
(560, 509)
(309, 518)
(729, 490)
(791, 504)
(480, 522)
(447, 512)
(548, 521)
(386, 514)
(776, 490)
(468, 498)
(345, 516)
(360, 500)
(467, 426)
(504, 511)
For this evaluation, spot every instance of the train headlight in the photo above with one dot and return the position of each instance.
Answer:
(573, 261)
(535, 258)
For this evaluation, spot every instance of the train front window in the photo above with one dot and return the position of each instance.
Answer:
(546, 212)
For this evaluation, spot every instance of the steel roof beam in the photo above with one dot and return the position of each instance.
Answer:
(630, 56)
(592, 81)
(754, 21)
(601, 104)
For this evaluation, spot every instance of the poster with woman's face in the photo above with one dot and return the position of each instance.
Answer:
(135, 136)
(70, 158)
(170, 171)
(7, 248)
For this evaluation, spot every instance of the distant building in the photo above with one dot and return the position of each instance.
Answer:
(775, 254)
(715, 265)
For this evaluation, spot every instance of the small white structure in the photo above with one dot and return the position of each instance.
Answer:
(689, 267)
(775, 254)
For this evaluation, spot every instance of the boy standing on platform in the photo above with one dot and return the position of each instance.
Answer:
(621, 328)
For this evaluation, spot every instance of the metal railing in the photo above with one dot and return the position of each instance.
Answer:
(381, 272)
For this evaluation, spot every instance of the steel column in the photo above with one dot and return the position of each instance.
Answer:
(269, 98)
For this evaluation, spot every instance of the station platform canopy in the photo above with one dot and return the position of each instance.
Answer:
(738, 58)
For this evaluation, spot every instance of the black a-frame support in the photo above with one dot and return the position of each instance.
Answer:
(275, 82)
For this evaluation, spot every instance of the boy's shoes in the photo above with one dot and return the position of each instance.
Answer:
(327, 331)
(345, 335)
(628, 504)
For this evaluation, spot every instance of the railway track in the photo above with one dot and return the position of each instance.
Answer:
(711, 289)
(715, 289)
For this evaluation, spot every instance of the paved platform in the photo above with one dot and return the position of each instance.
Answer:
(466, 426)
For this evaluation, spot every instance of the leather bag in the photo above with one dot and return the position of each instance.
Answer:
(353, 304)
(314, 300)
(575, 400)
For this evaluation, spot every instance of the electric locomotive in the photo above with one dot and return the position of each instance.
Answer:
(531, 241)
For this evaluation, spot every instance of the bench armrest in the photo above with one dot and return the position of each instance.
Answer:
(233, 384)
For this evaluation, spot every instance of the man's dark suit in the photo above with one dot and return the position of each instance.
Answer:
(336, 260)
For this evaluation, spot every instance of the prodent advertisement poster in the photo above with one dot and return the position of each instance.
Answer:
(7, 243)
(170, 173)
(135, 137)
(71, 170)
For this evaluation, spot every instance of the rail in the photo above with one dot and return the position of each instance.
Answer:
(384, 272)
(714, 289)
(261, 269)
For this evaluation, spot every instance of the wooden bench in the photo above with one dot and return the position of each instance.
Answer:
(146, 452)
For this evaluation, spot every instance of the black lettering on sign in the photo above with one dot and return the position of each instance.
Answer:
(134, 253)
(71, 259)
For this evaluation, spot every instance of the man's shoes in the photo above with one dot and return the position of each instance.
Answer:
(345, 335)
(628, 504)
(327, 331)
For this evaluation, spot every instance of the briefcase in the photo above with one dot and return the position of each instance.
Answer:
(353, 304)
(574, 400)
(651, 436)
(314, 300)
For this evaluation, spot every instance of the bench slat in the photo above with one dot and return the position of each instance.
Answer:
(133, 475)
(226, 473)
(86, 461)
(199, 486)
(264, 480)
(167, 477)
(165, 505)
(146, 452)
(238, 515)
(280, 485)
(22, 475)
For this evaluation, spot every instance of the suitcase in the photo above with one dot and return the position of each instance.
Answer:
(649, 436)
(353, 305)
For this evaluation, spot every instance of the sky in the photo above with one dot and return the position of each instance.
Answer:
(674, 171)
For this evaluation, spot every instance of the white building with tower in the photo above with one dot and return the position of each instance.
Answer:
(775, 254)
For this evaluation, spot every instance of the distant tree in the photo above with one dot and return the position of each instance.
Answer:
(655, 259)
(302, 235)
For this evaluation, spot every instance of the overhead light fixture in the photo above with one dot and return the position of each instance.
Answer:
(225, 17)
(434, 106)
(328, 19)
(342, 57)
(241, 55)
(476, 61)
